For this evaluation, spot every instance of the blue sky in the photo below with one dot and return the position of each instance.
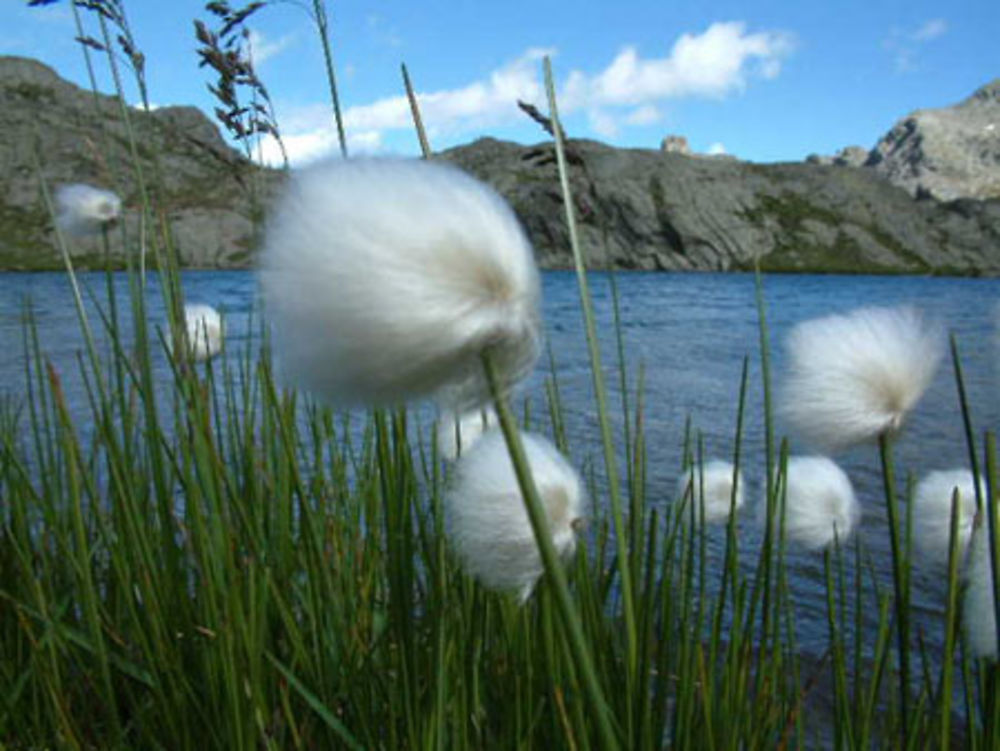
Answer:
(765, 81)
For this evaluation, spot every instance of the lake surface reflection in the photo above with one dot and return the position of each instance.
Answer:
(690, 332)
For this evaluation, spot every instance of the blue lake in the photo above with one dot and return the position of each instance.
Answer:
(691, 333)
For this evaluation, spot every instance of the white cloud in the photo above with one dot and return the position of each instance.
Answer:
(717, 149)
(263, 48)
(905, 44)
(715, 63)
(602, 123)
(644, 115)
(930, 30)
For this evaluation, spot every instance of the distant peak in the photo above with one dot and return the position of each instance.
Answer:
(27, 69)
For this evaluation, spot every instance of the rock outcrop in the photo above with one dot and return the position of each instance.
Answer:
(646, 209)
(637, 208)
(947, 153)
(204, 189)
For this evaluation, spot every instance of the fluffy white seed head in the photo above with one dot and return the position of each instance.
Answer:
(979, 616)
(203, 326)
(386, 279)
(710, 488)
(932, 501)
(456, 432)
(83, 210)
(487, 522)
(820, 504)
(853, 377)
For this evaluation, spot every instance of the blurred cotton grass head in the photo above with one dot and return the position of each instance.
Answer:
(820, 505)
(487, 522)
(83, 210)
(456, 433)
(979, 616)
(709, 488)
(932, 501)
(387, 279)
(853, 377)
(204, 330)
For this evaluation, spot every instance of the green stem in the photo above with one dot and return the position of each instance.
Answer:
(899, 581)
(425, 147)
(550, 558)
(324, 37)
(600, 392)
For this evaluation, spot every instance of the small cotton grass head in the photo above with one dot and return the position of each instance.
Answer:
(457, 433)
(83, 210)
(386, 280)
(710, 488)
(820, 505)
(488, 525)
(854, 377)
(203, 329)
(979, 613)
(932, 501)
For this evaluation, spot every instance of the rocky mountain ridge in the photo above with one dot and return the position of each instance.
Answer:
(638, 208)
(945, 153)
(646, 209)
(204, 187)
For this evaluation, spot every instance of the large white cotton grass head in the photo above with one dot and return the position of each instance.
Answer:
(855, 376)
(457, 433)
(710, 488)
(820, 505)
(83, 210)
(487, 522)
(979, 613)
(204, 330)
(932, 500)
(386, 280)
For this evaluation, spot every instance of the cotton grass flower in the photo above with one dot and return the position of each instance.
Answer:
(83, 210)
(854, 377)
(386, 279)
(456, 432)
(932, 501)
(710, 487)
(979, 616)
(487, 521)
(820, 504)
(203, 327)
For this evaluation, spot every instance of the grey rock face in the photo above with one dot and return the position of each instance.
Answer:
(851, 156)
(947, 153)
(637, 209)
(645, 209)
(201, 186)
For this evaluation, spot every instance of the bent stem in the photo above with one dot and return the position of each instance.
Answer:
(550, 558)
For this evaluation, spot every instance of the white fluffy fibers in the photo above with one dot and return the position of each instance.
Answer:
(819, 502)
(204, 330)
(715, 478)
(853, 377)
(487, 522)
(979, 616)
(83, 209)
(456, 432)
(385, 280)
(932, 512)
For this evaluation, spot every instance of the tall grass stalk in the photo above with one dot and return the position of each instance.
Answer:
(600, 393)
